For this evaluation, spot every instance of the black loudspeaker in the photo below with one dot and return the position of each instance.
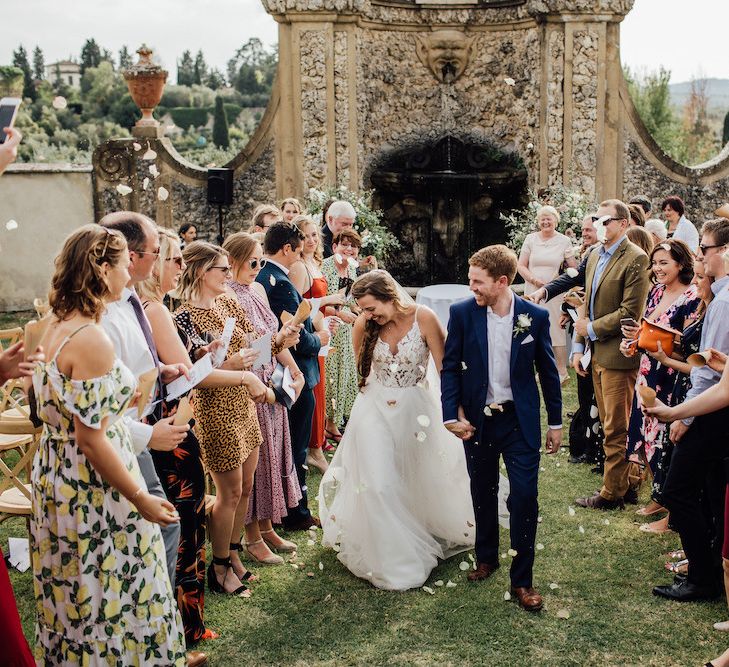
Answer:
(220, 186)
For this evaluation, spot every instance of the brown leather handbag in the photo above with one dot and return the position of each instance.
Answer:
(651, 334)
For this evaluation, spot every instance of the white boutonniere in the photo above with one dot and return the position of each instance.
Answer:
(523, 323)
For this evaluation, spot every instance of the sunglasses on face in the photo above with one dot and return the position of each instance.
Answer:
(224, 269)
(704, 248)
(257, 263)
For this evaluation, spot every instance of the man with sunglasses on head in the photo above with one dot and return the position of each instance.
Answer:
(702, 445)
(616, 286)
(282, 249)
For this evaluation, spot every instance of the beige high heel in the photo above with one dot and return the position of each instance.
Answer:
(285, 545)
(273, 559)
(321, 464)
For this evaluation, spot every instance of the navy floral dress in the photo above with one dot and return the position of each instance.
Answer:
(647, 437)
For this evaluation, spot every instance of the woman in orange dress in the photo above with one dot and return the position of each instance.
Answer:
(307, 277)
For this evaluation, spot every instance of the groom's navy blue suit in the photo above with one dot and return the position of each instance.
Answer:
(515, 433)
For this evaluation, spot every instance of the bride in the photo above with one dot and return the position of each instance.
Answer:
(396, 496)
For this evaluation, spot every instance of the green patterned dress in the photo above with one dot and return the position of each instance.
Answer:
(99, 575)
(341, 366)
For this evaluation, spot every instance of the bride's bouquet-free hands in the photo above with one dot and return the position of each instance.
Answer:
(462, 428)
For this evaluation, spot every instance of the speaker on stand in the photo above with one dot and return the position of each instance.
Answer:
(220, 192)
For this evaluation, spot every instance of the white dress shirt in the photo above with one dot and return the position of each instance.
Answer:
(499, 331)
(130, 345)
(280, 266)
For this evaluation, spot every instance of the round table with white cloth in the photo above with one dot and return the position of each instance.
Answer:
(440, 297)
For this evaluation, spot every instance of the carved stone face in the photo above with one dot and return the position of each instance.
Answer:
(446, 53)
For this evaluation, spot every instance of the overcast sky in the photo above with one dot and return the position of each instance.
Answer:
(685, 37)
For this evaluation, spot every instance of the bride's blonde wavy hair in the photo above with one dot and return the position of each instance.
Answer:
(380, 285)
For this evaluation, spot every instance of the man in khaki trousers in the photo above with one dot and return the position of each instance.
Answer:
(616, 287)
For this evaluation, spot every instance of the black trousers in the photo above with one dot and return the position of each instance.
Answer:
(501, 435)
(300, 418)
(697, 466)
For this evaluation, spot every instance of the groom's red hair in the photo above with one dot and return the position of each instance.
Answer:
(496, 260)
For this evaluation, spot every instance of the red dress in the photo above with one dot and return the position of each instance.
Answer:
(15, 647)
(318, 289)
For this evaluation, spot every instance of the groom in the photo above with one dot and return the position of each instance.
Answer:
(490, 400)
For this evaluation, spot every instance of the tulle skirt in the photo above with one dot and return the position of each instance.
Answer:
(396, 497)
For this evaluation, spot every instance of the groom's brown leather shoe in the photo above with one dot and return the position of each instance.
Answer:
(597, 502)
(528, 598)
(482, 571)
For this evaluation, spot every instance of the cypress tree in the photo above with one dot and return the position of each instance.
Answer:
(220, 125)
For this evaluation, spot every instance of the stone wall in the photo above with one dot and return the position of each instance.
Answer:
(47, 202)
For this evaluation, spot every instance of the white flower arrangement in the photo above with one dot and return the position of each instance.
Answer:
(523, 324)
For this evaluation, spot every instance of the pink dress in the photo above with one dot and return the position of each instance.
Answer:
(276, 487)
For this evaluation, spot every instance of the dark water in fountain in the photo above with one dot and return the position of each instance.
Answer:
(442, 200)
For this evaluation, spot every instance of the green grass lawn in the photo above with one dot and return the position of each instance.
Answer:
(603, 579)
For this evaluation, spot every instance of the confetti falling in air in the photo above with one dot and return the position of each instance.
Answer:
(420, 436)
(450, 584)
(272, 280)
(487, 411)
(540, 546)
(303, 465)
(507, 596)
(338, 258)
(509, 81)
(582, 530)
(145, 183)
(429, 590)
(512, 552)
(572, 272)
(10, 225)
(571, 511)
(164, 193)
(438, 583)
(123, 190)
(149, 155)
(321, 565)
(59, 103)
(424, 420)
(554, 586)
(463, 366)
(563, 613)
(137, 147)
(463, 566)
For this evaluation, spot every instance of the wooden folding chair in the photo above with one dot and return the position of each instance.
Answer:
(12, 396)
(16, 495)
(41, 308)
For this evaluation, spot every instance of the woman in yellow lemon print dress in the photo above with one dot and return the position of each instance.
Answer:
(102, 592)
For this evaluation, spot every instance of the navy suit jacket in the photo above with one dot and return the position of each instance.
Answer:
(464, 378)
(283, 296)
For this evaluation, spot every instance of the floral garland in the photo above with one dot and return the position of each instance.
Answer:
(377, 239)
(572, 207)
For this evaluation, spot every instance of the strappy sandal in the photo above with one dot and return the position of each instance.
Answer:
(248, 575)
(216, 587)
(285, 545)
(273, 559)
(679, 567)
(337, 437)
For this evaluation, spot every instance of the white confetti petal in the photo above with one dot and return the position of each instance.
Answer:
(136, 146)
(582, 530)
(472, 558)
(153, 170)
(438, 583)
(563, 613)
(463, 566)
(272, 280)
(540, 546)
(571, 511)
(558, 465)
(509, 81)
(145, 183)
(507, 596)
(303, 465)
(338, 258)
(606, 522)
(429, 590)
(369, 574)
(59, 102)
(487, 410)
(572, 272)
(554, 586)
(420, 436)
(512, 552)
(295, 566)
(328, 597)
(321, 565)
(10, 225)
(463, 366)
(450, 584)
(123, 190)
(424, 420)
(539, 519)
(162, 193)
(149, 155)
(311, 543)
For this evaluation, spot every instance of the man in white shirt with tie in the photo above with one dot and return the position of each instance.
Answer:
(125, 322)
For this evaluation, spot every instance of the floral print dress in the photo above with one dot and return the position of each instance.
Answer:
(341, 366)
(647, 437)
(99, 570)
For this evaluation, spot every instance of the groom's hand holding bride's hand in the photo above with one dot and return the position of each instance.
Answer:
(553, 441)
(462, 428)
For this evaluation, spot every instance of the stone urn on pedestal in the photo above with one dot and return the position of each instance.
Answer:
(146, 82)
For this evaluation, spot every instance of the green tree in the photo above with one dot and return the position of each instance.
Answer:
(39, 64)
(101, 87)
(215, 79)
(125, 58)
(252, 69)
(90, 55)
(20, 60)
(185, 70)
(221, 137)
(200, 69)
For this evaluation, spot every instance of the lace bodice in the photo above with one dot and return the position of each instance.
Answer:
(405, 368)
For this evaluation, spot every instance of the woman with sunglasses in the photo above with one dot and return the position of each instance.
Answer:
(276, 486)
(226, 419)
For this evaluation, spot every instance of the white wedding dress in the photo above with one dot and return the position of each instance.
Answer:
(396, 497)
